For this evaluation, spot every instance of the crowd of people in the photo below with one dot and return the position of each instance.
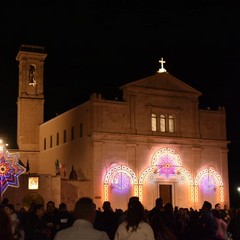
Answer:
(162, 222)
(36, 223)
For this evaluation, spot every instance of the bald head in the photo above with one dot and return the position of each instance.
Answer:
(85, 209)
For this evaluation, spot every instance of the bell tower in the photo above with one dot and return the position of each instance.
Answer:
(30, 103)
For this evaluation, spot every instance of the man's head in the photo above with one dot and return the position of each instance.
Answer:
(107, 206)
(207, 206)
(39, 209)
(85, 209)
(50, 207)
(159, 203)
(62, 207)
(218, 206)
(226, 207)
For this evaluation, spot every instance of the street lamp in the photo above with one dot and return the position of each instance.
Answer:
(3, 144)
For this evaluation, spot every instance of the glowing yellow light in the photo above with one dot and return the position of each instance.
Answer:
(196, 193)
(221, 194)
(192, 193)
(140, 193)
(162, 69)
(105, 192)
(33, 183)
(216, 175)
(1, 144)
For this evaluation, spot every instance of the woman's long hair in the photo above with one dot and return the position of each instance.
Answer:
(135, 214)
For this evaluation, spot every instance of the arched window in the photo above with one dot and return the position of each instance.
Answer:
(154, 122)
(162, 123)
(32, 75)
(171, 123)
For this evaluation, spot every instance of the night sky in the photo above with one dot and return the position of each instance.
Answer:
(97, 46)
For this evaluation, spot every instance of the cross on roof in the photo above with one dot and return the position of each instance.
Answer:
(162, 69)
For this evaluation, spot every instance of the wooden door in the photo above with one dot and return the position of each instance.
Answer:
(165, 192)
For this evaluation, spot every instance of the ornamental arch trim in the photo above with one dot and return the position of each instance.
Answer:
(209, 172)
(119, 169)
(182, 175)
(175, 157)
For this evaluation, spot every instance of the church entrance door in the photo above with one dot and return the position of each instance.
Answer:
(165, 192)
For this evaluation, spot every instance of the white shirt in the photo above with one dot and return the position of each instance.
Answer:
(81, 230)
(143, 232)
(15, 221)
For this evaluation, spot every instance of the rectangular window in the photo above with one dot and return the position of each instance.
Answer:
(45, 144)
(64, 136)
(72, 133)
(162, 123)
(171, 123)
(154, 122)
(57, 139)
(51, 141)
(81, 130)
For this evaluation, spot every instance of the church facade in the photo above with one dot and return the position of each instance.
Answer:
(155, 142)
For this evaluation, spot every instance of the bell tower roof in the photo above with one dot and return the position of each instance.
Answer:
(31, 52)
(31, 48)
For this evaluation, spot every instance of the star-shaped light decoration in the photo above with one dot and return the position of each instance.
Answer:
(10, 169)
(166, 166)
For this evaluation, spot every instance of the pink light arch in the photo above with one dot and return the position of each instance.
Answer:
(116, 172)
(212, 175)
(166, 161)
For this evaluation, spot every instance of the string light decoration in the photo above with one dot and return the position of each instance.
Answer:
(151, 177)
(166, 162)
(120, 178)
(206, 181)
(182, 176)
(10, 169)
(146, 172)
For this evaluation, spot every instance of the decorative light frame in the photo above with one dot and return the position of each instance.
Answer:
(117, 169)
(214, 173)
(33, 183)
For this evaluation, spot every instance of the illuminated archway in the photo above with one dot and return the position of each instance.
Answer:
(121, 179)
(146, 172)
(181, 176)
(205, 180)
(184, 174)
(166, 164)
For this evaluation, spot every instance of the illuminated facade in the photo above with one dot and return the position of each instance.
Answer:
(155, 142)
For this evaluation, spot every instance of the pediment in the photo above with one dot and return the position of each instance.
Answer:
(161, 82)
